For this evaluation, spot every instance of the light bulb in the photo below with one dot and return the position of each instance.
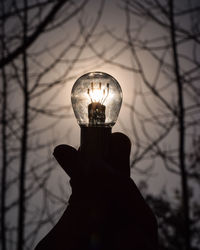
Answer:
(96, 100)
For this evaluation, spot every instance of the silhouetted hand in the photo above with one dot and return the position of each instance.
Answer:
(106, 210)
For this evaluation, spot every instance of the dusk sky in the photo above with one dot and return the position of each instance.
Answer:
(134, 46)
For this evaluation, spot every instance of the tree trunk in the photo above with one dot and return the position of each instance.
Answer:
(24, 139)
(4, 139)
(181, 122)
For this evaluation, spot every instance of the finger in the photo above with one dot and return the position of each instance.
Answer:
(66, 156)
(119, 157)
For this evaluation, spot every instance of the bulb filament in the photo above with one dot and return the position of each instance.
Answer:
(96, 109)
(98, 94)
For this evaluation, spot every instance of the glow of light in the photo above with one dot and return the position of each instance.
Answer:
(97, 93)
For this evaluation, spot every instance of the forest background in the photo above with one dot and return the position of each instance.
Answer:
(152, 47)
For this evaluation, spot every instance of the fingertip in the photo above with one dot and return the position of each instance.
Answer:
(121, 142)
(66, 156)
(63, 148)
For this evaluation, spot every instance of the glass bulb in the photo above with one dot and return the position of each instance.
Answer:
(96, 100)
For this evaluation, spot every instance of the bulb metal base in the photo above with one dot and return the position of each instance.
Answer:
(95, 142)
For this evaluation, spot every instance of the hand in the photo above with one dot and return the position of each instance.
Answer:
(105, 202)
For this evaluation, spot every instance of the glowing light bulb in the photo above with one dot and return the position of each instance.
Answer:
(96, 100)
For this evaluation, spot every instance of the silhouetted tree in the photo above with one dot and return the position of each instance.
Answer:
(37, 59)
(161, 40)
